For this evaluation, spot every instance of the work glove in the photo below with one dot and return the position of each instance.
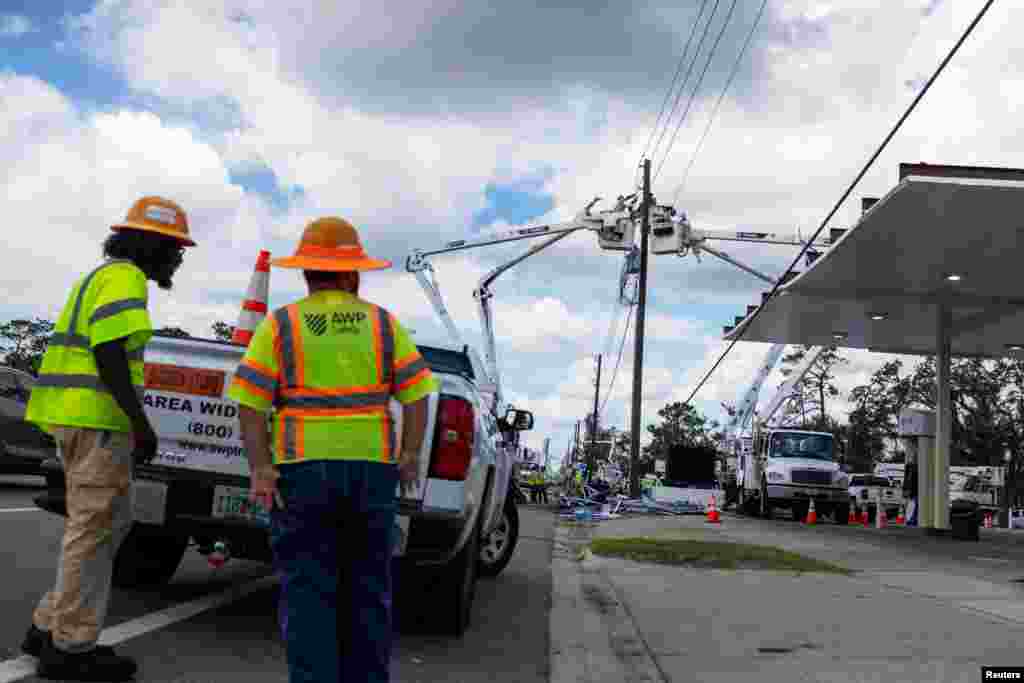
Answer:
(144, 444)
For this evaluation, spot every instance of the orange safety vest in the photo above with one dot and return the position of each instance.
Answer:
(329, 366)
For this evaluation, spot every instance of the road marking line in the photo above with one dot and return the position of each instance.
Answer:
(21, 510)
(24, 666)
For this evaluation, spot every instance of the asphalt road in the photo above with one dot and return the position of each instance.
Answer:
(507, 641)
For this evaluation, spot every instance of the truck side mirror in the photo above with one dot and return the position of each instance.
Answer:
(518, 420)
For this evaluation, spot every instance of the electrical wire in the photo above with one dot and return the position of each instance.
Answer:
(721, 97)
(849, 190)
(696, 89)
(615, 373)
(686, 79)
(675, 78)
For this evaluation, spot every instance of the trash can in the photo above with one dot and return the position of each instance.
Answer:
(965, 519)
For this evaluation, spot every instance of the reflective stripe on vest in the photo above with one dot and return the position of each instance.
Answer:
(295, 401)
(71, 390)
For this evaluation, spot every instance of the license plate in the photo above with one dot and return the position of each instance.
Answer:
(401, 535)
(149, 501)
(233, 502)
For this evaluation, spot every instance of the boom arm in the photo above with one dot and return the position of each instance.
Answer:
(615, 228)
(745, 409)
(786, 390)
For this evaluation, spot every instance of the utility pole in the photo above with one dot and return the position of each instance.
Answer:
(576, 444)
(638, 339)
(592, 458)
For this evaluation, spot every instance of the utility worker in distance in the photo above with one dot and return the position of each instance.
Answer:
(328, 366)
(89, 397)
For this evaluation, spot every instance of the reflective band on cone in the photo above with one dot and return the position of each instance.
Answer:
(812, 514)
(254, 308)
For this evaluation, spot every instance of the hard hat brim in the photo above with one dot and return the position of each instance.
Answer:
(169, 232)
(332, 265)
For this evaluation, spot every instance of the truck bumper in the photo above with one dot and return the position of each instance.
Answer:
(432, 534)
(800, 493)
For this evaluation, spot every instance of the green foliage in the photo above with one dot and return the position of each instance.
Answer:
(222, 331)
(680, 424)
(23, 343)
(809, 399)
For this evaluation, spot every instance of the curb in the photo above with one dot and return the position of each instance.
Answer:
(593, 637)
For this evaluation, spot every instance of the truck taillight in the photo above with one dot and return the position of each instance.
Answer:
(453, 440)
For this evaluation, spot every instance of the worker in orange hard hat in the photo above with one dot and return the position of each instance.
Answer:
(89, 397)
(327, 366)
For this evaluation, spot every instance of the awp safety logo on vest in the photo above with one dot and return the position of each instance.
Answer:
(317, 323)
(346, 323)
(340, 323)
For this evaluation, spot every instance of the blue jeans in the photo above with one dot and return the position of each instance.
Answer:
(332, 547)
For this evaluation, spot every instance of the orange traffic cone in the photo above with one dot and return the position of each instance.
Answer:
(812, 514)
(713, 516)
(254, 308)
(900, 519)
(853, 516)
(864, 515)
(881, 521)
(988, 520)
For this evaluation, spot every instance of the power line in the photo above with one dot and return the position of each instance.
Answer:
(615, 373)
(849, 190)
(675, 78)
(686, 79)
(693, 95)
(714, 112)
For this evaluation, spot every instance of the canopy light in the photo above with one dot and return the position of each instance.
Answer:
(1015, 347)
(879, 316)
(953, 277)
(839, 335)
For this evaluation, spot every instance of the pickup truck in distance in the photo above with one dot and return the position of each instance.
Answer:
(865, 490)
(456, 524)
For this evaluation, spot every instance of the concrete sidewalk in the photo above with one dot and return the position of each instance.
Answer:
(909, 614)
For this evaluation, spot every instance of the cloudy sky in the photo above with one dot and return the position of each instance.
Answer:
(423, 121)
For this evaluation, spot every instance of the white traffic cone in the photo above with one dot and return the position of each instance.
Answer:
(254, 308)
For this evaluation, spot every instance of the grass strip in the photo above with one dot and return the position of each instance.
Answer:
(711, 555)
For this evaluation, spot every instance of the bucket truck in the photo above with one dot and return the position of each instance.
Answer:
(787, 468)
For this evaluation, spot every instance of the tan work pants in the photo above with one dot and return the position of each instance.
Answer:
(97, 472)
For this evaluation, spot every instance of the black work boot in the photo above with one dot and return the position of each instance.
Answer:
(34, 641)
(99, 664)
(36, 638)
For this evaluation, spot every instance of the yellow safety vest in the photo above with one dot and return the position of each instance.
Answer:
(329, 365)
(107, 304)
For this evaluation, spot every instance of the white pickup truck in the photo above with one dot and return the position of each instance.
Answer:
(867, 489)
(458, 522)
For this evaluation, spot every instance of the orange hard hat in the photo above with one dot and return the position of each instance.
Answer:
(159, 215)
(330, 244)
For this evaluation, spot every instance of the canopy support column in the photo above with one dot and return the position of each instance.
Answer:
(943, 419)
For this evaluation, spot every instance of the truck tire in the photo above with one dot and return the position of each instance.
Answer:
(148, 557)
(841, 513)
(497, 547)
(764, 505)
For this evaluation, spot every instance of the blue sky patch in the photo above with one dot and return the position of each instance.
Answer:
(515, 203)
(262, 180)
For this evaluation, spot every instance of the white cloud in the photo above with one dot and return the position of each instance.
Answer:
(782, 149)
(15, 25)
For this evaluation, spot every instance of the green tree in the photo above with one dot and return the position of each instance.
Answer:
(680, 424)
(222, 331)
(23, 343)
(810, 396)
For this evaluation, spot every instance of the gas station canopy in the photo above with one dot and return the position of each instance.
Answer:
(949, 235)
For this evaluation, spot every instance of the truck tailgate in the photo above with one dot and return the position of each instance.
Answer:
(197, 425)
